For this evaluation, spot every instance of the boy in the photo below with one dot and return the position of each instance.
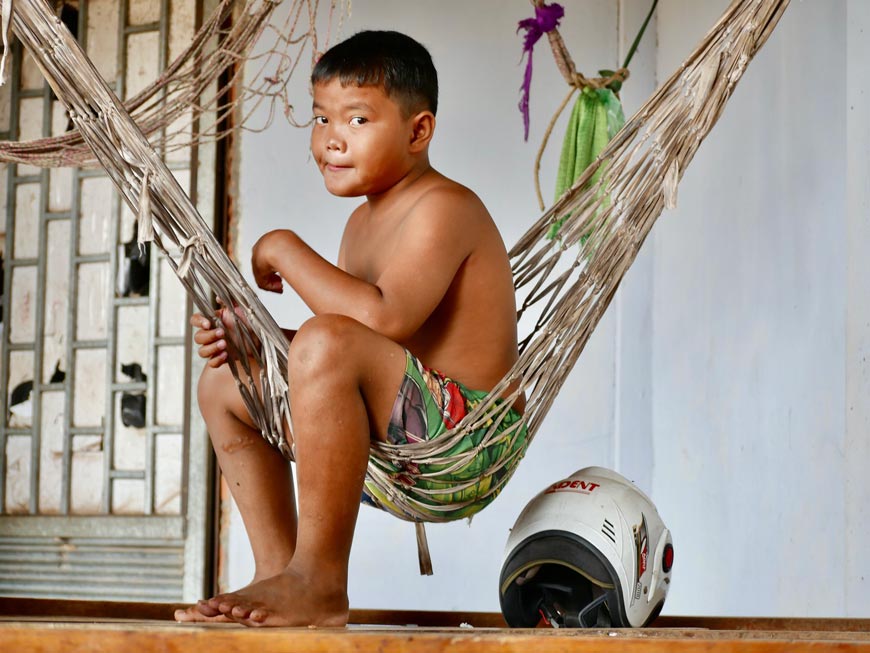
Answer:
(422, 275)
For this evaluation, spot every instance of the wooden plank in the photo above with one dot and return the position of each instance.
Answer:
(98, 610)
(106, 638)
(766, 623)
(57, 609)
(45, 625)
(60, 610)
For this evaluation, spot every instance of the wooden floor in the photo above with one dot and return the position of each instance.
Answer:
(47, 625)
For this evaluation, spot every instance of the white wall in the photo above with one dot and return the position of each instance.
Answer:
(751, 310)
(857, 349)
(721, 372)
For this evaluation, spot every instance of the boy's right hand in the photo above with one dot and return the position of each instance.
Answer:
(210, 339)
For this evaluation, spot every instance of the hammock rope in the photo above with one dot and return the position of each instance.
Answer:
(563, 286)
(187, 90)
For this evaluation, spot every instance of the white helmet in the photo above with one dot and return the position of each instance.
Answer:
(590, 551)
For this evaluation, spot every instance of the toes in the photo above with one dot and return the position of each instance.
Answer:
(188, 614)
(240, 612)
(206, 609)
(213, 603)
(258, 616)
(221, 604)
(200, 614)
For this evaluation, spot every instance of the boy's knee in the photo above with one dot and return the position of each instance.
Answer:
(322, 342)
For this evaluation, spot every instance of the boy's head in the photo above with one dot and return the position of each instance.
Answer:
(390, 60)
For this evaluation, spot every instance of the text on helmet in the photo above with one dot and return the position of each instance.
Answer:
(572, 486)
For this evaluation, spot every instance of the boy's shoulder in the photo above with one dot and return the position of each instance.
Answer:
(444, 193)
(447, 214)
(449, 200)
(436, 200)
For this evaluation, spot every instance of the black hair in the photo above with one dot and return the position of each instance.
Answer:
(394, 61)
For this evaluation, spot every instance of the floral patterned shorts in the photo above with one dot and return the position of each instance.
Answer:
(427, 406)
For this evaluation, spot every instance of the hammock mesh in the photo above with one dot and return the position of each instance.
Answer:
(563, 287)
(187, 90)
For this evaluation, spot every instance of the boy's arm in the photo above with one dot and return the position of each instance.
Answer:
(435, 240)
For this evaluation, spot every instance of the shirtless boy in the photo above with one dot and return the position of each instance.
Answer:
(422, 275)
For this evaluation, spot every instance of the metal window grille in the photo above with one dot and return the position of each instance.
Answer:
(104, 465)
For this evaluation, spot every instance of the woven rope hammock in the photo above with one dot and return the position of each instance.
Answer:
(563, 286)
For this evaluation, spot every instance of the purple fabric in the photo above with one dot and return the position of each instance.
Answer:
(546, 18)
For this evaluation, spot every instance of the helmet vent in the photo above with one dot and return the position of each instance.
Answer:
(609, 531)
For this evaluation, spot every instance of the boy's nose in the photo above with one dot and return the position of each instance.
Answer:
(334, 143)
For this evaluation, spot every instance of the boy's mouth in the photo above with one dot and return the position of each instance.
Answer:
(336, 168)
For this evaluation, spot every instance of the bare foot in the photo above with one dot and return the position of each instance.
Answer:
(288, 599)
(200, 612)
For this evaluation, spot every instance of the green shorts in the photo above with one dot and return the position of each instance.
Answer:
(428, 406)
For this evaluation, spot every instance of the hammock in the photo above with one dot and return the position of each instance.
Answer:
(563, 286)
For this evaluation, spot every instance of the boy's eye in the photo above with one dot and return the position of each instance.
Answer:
(320, 120)
(358, 120)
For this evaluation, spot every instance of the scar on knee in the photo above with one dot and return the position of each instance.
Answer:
(238, 443)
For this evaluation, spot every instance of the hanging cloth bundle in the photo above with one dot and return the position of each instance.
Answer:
(596, 118)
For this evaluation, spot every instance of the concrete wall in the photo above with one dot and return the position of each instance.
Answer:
(719, 379)
(756, 287)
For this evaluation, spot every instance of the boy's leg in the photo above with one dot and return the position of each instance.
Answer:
(343, 380)
(258, 476)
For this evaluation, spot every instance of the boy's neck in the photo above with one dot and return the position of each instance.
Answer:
(383, 200)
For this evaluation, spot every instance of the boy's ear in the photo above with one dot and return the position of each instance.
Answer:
(422, 129)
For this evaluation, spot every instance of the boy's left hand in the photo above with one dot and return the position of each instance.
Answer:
(265, 274)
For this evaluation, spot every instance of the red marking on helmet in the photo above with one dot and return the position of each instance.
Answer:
(641, 544)
(668, 558)
(644, 554)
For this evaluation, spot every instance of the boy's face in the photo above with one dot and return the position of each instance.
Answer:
(360, 139)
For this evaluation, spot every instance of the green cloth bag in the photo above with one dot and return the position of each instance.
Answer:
(596, 118)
